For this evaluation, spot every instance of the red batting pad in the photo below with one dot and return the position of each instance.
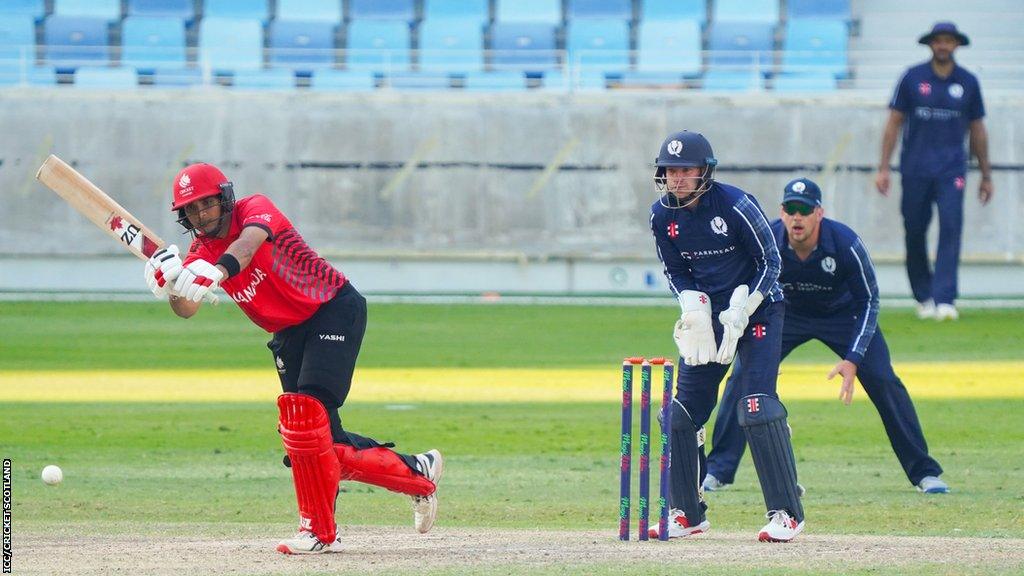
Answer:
(381, 467)
(306, 432)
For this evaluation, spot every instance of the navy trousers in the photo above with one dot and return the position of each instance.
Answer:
(877, 377)
(919, 193)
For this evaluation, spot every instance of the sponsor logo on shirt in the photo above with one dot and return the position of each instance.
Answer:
(249, 292)
(264, 217)
(928, 113)
(805, 287)
(700, 254)
(332, 337)
(828, 264)
(718, 226)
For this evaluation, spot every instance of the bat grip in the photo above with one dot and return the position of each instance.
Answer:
(211, 298)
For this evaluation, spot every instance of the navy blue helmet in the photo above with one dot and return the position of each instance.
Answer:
(684, 150)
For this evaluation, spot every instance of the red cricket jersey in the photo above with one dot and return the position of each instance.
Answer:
(286, 281)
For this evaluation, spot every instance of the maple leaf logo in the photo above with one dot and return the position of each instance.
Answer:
(115, 223)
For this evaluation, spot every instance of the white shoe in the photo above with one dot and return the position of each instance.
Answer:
(712, 484)
(679, 526)
(932, 485)
(781, 527)
(926, 310)
(946, 312)
(305, 542)
(424, 508)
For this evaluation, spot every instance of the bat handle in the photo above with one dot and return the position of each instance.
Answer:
(211, 298)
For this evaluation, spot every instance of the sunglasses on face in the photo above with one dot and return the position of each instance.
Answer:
(800, 208)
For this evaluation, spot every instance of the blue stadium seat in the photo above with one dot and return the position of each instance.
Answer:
(34, 8)
(834, 9)
(342, 80)
(419, 81)
(451, 45)
(601, 45)
(272, 79)
(816, 45)
(766, 11)
(71, 41)
(238, 9)
(108, 9)
(741, 44)
(805, 82)
(310, 10)
(534, 11)
(669, 47)
(523, 46)
(557, 81)
(302, 45)
(404, 10)
(380, 46)
(665, 10)
(184, 9)
(18, 75)
(106, 78)
(601, 9)
(495, 81)
(17, 40)
(152, 42)
(730, 80)
(475, 10)
(227, 44)
(177, 77)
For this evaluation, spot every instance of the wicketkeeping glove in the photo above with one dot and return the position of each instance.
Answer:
(162, 269)
(734, 320)
(198, 280)
(693, 333)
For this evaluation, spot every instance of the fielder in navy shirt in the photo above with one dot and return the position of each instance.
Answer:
(936, 103)
(831, 296)
(721, 262)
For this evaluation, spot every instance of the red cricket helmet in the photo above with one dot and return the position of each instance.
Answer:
(198, 181)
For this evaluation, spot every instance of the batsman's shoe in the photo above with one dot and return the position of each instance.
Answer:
(424, 508)
(926, 310)
(679, 526)
(712, 484)
(946, 312)
(932, 485)
(305, 542)
(781, 527)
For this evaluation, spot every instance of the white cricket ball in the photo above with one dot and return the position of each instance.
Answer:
(52, 475)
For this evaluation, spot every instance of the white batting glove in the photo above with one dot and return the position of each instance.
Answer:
(198, 280)
(734, 320)
(693, 333)
(162, 269)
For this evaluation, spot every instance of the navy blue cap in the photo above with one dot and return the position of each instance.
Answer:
(802, 190)
(944, 28)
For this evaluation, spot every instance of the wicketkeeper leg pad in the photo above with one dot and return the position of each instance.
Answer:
(306, 432)
(381, 466)
(763, 419)
(686, 465)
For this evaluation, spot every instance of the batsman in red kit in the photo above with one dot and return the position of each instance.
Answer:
(317, 318)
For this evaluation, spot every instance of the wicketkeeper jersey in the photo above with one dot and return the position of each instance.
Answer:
(286, 281)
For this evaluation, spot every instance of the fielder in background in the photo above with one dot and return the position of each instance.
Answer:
(935, 103)
(721, 262)
(249, 248)
(831, 296)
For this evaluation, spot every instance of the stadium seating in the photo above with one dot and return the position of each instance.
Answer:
(475, 10)
(17, 40)
(532, 11)
(601, 45)
(601, 9)
(419, 81)
(272, 79)
(404, 10)
(833, 9)
(741, 44)
(27, 75)
(815, 45)
(302, 45)
(523, 46)
(501, 80)
(107, 9)
(804, 82)
(310, 10)
(151, 42)
(672, 48)
(184, 9)
(451, 45)
(557, 81)
(236, 9)
(731, 80)
(227, 44)
(379, 46)
(106, 78)
(71, 41)
(177, 77)
(34, 8)
(345, 80)
(672, 10)
(766, 11)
